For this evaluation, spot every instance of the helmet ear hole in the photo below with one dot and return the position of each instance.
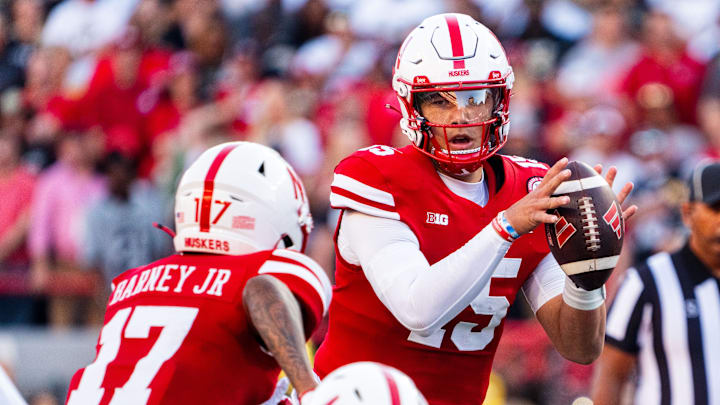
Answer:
(287, 240)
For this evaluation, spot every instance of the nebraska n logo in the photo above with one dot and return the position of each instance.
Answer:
(612, 218)
(563, 230)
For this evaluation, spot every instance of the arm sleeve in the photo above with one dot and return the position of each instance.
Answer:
(626, 313)
(305, 279)
(420, 296)
(545, 282)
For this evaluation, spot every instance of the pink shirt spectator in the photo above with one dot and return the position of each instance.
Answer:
(60, 203)
(17, 192)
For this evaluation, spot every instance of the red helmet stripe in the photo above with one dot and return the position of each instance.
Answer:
(392, 385)
(206, 203)
(455, 41)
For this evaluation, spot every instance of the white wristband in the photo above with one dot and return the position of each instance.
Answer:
(582, 299)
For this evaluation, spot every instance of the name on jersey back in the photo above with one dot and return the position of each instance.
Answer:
(173, 278)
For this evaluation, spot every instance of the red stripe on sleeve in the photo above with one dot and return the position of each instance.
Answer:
(361, 199)
(206, 203)
(455, 41)
(296, 263)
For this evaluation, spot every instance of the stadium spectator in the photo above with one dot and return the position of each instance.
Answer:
(17, 184)
(663, 320)
(61, 199)
(709, 117)
(113, 99)
(119, 233)
(168, 102)
(28, 17)
(84, 26)
(595, 66)
(11, 70)
(664, 60)
(709, 110)
(597, 137)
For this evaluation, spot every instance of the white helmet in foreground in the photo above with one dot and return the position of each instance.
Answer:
(365, 383)
(239, 198)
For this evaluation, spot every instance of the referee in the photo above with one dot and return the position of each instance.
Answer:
(665, 319)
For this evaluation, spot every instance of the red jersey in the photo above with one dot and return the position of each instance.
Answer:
(176, 331)
(453, 365)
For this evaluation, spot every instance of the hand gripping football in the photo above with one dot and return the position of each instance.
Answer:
(587, 239)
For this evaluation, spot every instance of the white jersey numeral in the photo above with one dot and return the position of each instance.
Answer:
(462, 335)
(527, 163)
(380, 150)
(175, 322)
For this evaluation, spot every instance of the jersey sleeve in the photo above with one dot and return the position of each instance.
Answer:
(359, 185)
(626, 313)
(305, 279)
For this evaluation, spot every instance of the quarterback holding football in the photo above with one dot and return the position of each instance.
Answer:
(436, 238)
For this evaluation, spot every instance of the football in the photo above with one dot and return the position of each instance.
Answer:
(588, 237)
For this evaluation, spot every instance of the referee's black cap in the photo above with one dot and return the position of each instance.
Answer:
(704, 182)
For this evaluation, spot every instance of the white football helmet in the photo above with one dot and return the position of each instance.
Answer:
(457, 60)
(363, 383)
(239, 198)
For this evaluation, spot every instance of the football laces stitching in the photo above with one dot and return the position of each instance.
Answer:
(590, 223)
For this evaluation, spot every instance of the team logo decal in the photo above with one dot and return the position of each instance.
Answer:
(533, 183)
(463, 72)
(612, 218)
(563, 230)
(243, 222)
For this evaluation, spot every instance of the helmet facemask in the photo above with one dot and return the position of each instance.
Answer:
(462, 124)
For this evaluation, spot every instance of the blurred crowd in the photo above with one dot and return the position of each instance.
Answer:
(103, 103)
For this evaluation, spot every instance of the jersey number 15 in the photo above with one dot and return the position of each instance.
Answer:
(462, 335)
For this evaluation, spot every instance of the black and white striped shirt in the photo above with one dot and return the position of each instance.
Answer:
(667, 312)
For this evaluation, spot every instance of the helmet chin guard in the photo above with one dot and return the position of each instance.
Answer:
(453, 53)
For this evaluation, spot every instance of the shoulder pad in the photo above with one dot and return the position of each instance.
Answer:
(527, 171)
(359, 184)
(290, 262)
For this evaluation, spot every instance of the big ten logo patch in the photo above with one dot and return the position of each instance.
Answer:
(437, 219)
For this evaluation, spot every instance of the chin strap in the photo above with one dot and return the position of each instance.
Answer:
(164, 229)
(392, 107)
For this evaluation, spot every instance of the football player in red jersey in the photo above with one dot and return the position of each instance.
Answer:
(215, 323)
(436, 238)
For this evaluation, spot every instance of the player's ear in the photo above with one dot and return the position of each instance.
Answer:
(686, 210)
